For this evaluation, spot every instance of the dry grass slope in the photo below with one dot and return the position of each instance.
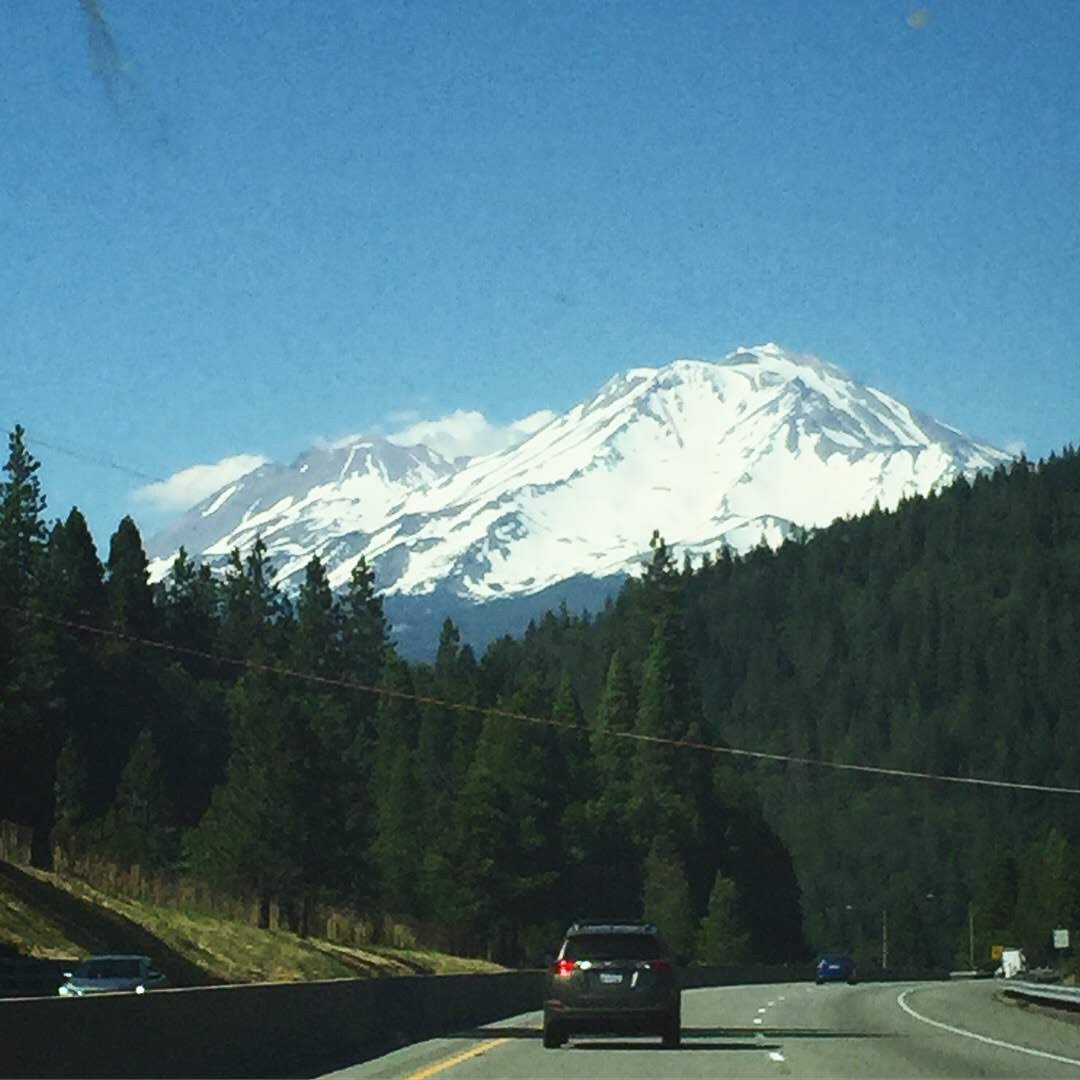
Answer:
(204, 948)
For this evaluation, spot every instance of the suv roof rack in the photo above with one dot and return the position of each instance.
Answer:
(611, 926)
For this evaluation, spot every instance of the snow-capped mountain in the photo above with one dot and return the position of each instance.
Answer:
(710, 453)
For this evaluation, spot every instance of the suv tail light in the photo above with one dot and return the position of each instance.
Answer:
(660, 965)
(563, 968)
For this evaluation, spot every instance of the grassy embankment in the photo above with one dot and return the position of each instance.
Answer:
(73, 919)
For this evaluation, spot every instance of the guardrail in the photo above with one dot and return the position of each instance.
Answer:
(1049, 994)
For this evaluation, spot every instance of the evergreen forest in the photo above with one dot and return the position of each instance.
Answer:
(279, 748)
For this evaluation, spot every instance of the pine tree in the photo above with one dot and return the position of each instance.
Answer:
(130, 667)
(191, 600)
(613, 858)
(72, 589)
(666, 899)
(336, 800)
(29, 735)
(398, 844)
(129, 598)
(253, 835)
(722, 938)
(317, 636)
(510, 842)
(142, 822)
(22, 527)
(366, 641)
(252, 607)
(73, 586)
(72, 811)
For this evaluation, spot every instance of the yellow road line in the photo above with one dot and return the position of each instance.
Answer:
(457, 1059)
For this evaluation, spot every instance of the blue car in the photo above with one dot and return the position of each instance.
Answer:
(835, 967)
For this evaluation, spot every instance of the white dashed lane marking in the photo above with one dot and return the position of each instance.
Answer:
(775, 1055)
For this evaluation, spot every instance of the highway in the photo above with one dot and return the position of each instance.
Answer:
(922, 1030)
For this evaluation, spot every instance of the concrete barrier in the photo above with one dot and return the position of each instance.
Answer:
(269, 1029)
(279, 1029)
(25, 976)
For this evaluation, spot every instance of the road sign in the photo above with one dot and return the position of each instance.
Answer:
(1061, 939)
(996, 951)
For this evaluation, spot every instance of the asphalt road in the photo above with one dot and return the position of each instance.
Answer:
(919, 1030)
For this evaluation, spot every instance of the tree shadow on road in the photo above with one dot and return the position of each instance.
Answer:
(752, 1036)
(588, 1043)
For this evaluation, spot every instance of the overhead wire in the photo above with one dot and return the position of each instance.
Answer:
(92, 458)
(508, 714)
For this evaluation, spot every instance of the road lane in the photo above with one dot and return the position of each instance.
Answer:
(778, 1031)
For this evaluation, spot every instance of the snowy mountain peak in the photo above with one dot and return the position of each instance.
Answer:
(709, 452)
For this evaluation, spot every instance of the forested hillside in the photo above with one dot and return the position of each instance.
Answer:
(239, 750)
(491, 799)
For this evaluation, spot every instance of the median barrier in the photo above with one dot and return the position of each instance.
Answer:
(266, 1029)
(27, 976)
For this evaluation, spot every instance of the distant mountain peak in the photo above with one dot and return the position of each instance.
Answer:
(710, 452)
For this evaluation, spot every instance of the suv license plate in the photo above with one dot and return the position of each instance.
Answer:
(606, 977)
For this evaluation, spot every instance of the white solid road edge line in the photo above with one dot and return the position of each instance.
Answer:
(981, 1038)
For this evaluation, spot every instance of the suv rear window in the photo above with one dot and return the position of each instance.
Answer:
(108, 969)
(612, 947)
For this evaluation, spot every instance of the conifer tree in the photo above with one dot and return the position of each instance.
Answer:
(723, 938)
(141, 823)
(666, 898)
(251, 605)
(72, 811)
(613, 858)
(29, 737)
(73, 586)
(510, 836)
(336, 802)
(366, 641)
(191, 610)
(253, 835)
(398, 843)
(129, 598)
(316, 647)
(22, 527)
(130, 668)
(73, 590)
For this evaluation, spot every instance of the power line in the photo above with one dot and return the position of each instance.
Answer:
(88, 457)
(427, 699)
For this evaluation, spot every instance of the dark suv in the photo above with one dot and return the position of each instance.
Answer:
(612, 978)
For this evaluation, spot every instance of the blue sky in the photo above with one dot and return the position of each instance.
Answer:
(232, 229)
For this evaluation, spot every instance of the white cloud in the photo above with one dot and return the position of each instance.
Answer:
(191, 485)
(469, 433)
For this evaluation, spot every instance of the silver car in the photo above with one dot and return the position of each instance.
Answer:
(109, 974)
